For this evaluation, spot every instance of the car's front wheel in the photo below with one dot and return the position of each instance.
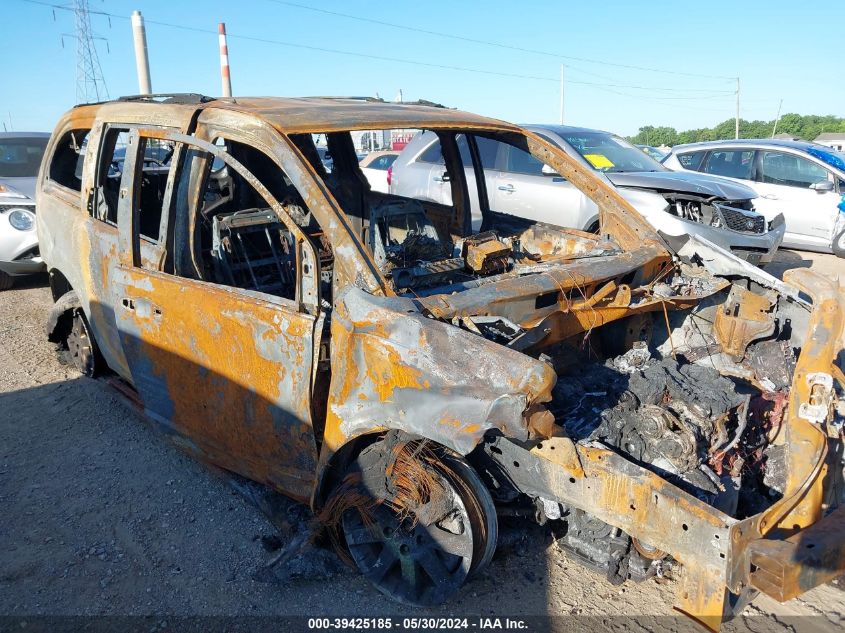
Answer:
(418, 536)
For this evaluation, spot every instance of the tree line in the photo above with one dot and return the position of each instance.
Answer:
(807, 127)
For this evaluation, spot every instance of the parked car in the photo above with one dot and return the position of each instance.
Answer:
(375, 166)
(655, 153)
(20, 158)
(676, 204)
(325, 157)
(373, 356)
(803, 181)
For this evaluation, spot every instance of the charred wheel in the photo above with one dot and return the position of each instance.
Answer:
(82, 351)
(420, 521)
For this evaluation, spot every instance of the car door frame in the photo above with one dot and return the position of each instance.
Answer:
(268, 433)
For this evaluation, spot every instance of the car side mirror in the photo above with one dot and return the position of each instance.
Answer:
(825, 186)
(548, 170)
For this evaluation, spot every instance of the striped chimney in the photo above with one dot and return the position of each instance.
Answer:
(224, 60)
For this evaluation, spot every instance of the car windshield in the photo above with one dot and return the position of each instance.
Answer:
(21, 157)
(609, 153)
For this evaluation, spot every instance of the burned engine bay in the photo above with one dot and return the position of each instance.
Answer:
(697, 396)
(692, 385)
(411, 253)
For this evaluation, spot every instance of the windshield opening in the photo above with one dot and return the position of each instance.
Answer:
(609, 153)
(21, 157)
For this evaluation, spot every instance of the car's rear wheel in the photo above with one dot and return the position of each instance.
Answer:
(839, 244)
(82, 350)
(418, 538)
(6, 281)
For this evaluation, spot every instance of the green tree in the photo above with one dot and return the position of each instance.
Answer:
(803, 126)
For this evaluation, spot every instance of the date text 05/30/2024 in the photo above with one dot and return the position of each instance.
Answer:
(415, 624)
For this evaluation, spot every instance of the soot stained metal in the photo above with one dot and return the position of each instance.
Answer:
(678, 413)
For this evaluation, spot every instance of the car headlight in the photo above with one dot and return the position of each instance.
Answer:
(21, 219)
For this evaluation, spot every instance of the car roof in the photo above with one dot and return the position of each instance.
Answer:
(24, 135)
(751, 142)
(565, 129)
(295, 115)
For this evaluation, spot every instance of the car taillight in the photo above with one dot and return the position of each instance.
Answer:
(389, 175)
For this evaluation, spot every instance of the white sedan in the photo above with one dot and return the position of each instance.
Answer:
(375, 166)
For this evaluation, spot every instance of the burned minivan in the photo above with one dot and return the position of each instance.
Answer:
(409, 376)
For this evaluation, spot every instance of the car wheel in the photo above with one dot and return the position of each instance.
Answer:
(82, 350)
(839, 244)
(420, 537)
(6, 281)
(594, 228)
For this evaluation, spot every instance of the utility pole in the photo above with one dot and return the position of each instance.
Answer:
(777, 119)
(142, 60)
(562, 83)
(224, 60)
(90, 85)
(736, 127)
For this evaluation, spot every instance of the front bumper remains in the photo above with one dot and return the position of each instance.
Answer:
(755, 248)
(789, 548)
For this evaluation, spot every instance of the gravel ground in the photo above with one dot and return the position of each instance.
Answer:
(101, 515)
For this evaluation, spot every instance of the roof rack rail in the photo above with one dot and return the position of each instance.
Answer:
(423, 102)
(178, 98)
(370, 99)
(418, 102)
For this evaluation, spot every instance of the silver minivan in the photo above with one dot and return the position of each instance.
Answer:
(803, 181)
(676, 204)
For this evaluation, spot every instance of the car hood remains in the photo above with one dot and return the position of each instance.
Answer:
(25, 186)
(683, 182)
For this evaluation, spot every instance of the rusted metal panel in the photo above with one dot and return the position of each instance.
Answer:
(315, 114)
(815, 555)
(230, 372)
(744, 317)
(394, 368)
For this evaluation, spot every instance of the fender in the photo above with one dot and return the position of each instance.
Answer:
(393, 367)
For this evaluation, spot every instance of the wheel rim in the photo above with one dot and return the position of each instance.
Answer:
(410, 558)
(79, 345)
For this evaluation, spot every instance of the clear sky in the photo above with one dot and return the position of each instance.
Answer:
(780, 49)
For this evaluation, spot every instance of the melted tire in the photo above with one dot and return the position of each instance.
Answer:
(420, 555)
(479, 504)
(82, 350)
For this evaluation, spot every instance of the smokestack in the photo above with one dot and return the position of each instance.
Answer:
(142, 61)
(224, 61)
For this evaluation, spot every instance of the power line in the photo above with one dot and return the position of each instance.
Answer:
(612, 88)
(377, 57)
(496, 44)
(90, 84)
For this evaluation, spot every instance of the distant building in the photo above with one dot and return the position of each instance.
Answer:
(836, 140)
(783, 136)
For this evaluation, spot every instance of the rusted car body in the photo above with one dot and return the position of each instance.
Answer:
(454, 353)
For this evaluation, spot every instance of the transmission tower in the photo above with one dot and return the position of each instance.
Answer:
(90, 85)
